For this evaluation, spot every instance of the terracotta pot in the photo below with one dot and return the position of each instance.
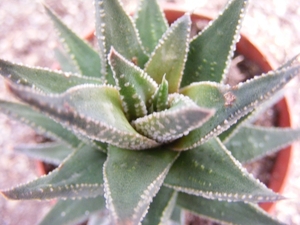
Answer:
(245, 47)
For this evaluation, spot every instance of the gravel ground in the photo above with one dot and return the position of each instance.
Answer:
(26, 36)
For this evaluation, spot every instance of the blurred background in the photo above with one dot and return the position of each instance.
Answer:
(27, 36)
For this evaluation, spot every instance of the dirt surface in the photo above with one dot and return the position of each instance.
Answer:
(27, 36)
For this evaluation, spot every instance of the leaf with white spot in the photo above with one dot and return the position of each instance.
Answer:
(132, 179)
(49, 152)
(74, 178)
(116, 29)
(151, 16)
(253, 142)
(225, 212)
(168, 58)
(160, 99)
(85, 57)
(41, 123)
(70, 211)
(231, 103)
(182, 117)
(43, 79)
(211, 51)
(211, 172)
(135, 86)
(161, 207)
(87, 110)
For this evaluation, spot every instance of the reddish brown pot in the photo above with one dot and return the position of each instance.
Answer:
(245, 47)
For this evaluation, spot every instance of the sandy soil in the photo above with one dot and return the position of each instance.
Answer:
(26, 36)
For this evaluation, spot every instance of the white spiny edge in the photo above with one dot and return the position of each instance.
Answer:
(231, 197)
(166, 36)
(167, 212)
(45, 69)
(51, 189)
(107, 193)
(139, 141)
(100, 36)
(150, 192)
(240, 113)
(236, 38)
(62, 40)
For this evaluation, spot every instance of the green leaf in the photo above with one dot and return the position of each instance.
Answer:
(171, 52)
(211, 51)
(74, 178)
(115, 28)
(135, 86)
(231, 103)
(160, 99)
(132, 179)
(253, 142)
(161, 207)
(227, 212)
(87, 109)
(210, 171)
(182, 117)
(41, 123)
(65, 62)
(43, 79)
(49, 152)
(66, 212)
(150, 16)
(85, 57)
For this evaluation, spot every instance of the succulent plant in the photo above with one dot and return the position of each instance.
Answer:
(146, 126)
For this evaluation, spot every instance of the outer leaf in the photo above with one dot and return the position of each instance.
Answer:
(100, 218)
(53, 153)
(228, 212)
(85, 57)
(39, 122)
(115, 28)
(135, 86)
(231, 103)
(151, 16)
(171, 52)
(161, 208)
(74, 178)
(132, 179)
(87, 109)
(210, 171)
(65, 61)
(43, 79)
(252, 142)
(182, 117)
(211, 51)
(67, 212)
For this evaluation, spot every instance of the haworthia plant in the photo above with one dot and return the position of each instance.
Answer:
(147, 127)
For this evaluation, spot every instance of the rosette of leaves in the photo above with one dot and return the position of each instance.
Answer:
(145, 126)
